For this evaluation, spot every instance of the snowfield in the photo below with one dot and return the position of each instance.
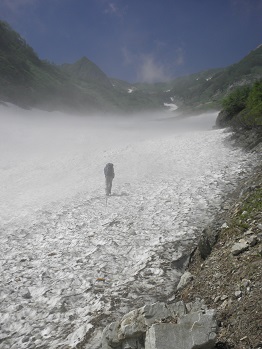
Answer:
(72, 261)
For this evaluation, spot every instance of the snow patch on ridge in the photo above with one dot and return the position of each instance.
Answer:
(171, 106)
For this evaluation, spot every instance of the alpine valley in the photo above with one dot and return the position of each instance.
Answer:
(28, 81)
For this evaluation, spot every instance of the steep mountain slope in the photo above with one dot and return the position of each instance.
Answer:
(87, 71)
(24, 78)
(82, 87)
(120, 94)
(206, 89)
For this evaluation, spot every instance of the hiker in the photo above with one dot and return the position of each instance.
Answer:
(109, 174)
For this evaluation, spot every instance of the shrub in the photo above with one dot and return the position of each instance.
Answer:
(243, 107)
(236, 101)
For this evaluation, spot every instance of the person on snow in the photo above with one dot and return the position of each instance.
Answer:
(109, 174)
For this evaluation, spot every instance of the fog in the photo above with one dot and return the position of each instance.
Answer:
(50, 156)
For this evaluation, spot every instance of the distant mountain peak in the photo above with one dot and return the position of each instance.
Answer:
(86, 70)
(85, 60)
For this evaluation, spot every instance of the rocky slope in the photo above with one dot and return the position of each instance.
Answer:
(228, 274)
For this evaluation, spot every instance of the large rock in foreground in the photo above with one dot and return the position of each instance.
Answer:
(162, 326)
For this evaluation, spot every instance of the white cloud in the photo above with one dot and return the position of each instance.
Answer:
(150, 70)
(146, 65)
(112, 8)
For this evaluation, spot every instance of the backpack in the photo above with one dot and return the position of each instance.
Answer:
(109, 170)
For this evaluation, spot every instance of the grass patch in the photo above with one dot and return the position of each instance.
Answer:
(247, 211)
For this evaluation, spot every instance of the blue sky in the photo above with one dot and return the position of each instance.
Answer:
(139, 40)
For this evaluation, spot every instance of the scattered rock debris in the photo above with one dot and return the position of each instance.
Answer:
(236, 259)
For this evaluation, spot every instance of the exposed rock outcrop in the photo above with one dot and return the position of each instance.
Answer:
(207, 241)
(184, 280)
(228, 275)
(162, 326)
(223, 119)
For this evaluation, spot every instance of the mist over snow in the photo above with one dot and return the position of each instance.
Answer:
(73, 261)
(47, 157)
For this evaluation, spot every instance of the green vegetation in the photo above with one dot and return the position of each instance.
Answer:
(236, 101)
(254, 103)
(243, 107)
(249, 209)
(15, 56)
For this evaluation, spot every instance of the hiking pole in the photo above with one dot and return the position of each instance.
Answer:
(106, 200)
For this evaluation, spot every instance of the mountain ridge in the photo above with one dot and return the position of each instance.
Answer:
(83, 87)
(86, 70)
(207, 88)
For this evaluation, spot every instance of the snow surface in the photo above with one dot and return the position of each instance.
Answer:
(171, 106)
(72, 261)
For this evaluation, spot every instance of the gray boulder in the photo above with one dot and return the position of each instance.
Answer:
(178, 309)
(207, 240)
(135, 323)
(194, 330)
(185, 279)
(239, 247)
(223, 119)
(160, 326)
(110, 336)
